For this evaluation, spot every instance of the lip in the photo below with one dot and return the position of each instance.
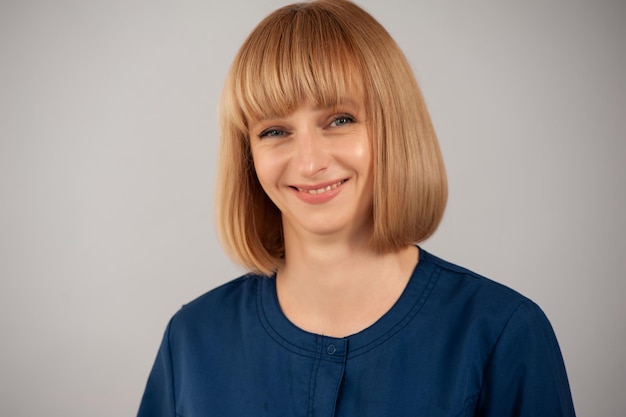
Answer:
(318, 193)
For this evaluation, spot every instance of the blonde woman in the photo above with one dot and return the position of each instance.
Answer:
(330, 176)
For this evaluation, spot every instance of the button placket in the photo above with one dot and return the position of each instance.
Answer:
(329, 376)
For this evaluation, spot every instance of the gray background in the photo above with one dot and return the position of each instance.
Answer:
(107, 160)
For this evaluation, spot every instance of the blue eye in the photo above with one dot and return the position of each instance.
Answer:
(271, 132)
(342, 120)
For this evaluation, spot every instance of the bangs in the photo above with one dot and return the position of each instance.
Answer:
(299, 54)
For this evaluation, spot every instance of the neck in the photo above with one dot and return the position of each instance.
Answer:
(325, 260)
(338, 287)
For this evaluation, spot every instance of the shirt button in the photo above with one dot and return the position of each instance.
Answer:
(331, 349)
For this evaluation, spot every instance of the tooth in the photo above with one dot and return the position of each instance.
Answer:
(321, 190)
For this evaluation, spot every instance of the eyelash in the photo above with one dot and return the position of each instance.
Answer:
(277, 131)
(346, 117)
(271, 132)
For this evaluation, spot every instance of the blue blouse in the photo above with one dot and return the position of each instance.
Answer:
(454, 344)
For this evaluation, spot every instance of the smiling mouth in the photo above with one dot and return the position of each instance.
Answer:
(322, 189)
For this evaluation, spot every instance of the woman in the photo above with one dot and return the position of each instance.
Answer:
(330, 174)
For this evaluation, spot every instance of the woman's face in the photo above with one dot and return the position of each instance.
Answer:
(316, 166)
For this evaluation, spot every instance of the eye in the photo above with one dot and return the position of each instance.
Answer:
(342, 120)
(272, 132)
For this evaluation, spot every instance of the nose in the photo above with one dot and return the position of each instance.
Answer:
(311, 153)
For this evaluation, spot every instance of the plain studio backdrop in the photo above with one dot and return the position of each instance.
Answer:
(108, 143)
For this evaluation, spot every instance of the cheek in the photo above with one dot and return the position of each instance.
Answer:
(261, 173)
(365, 156)
(267, 167)
(359, 157)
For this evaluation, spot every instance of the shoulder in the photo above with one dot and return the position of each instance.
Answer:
(492, 319)
(464, 282)
(223, 306)
(461, 294)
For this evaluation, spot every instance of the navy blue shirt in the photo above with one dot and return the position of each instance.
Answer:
(454, 344)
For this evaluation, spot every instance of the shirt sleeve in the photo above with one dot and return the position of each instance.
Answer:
(158, 398)
(526, 375)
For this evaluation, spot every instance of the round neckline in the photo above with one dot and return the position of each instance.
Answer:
(300, 341)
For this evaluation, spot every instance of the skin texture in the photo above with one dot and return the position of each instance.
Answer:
(313, 149)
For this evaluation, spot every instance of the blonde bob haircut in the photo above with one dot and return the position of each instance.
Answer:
(324, 51)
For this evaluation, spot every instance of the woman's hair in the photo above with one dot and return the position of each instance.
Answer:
(324, 51)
